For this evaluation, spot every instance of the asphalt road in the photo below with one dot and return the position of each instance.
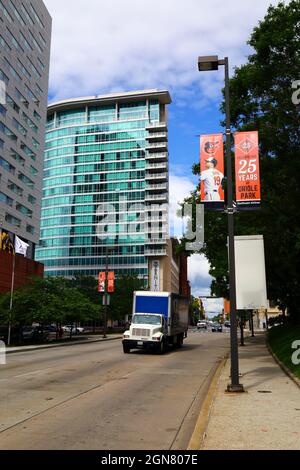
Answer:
(93, 396)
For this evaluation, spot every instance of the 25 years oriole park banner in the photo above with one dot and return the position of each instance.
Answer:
(247, 175)
(212, 171)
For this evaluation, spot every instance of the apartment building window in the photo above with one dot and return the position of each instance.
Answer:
(12, 220)
(4, 44)
(28, 151)
(36, 16)
(23, 210)
(14, 41)
(7, 166)
(17, 157)
(19, 127)
(31, 199)
(15, 188)
(16, 13)
(13, 70)
(7, 200)
(12, 104)
(4, 77)
(36, 43)
(21, 98)
(25, 180)
(6, 12)
(30, 229)
(7, 132)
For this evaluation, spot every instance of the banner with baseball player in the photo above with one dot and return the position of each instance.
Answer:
(247, 174)
(212, 171)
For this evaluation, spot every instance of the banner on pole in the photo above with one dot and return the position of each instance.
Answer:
(6, 242)
(101, 282)
(111, 282)
(212, 171)
(247, 174)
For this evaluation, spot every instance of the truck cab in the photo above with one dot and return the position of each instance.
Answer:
(159, 319)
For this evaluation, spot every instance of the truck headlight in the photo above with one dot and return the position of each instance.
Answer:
(155, 338)
(126, 336)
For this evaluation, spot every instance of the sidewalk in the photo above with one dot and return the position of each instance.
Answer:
(81, 340)
(266, 417)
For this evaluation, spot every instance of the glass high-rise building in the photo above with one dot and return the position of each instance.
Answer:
(25, 36)
(105, 184)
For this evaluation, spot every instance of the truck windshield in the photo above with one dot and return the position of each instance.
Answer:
(147, 319)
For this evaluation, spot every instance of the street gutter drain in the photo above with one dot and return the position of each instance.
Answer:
(264, 391)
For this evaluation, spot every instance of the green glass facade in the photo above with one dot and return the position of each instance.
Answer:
(94, 186)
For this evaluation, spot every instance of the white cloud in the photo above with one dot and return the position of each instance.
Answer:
(100, 46)
(180, 188)
(198, 267)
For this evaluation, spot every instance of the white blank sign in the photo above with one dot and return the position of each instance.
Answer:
(250, 272)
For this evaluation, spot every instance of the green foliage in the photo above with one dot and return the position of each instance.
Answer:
(261, 99)
(46, 301)
(281, 339)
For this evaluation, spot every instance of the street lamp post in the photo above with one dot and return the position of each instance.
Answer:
(208, 63)
(105, 292)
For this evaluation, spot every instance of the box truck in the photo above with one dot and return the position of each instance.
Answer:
(159, 319)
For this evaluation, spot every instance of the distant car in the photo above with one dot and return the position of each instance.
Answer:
(201, 325)
(217, 327)
(75, 329)
(227, 324)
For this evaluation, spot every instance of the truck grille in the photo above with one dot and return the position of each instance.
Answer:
(140, 332)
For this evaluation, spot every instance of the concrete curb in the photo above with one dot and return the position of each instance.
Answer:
(51, 346)
(282, 365)
(198, 435)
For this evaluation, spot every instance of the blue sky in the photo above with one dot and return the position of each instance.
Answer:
(100, 47)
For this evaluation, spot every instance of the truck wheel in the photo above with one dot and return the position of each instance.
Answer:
(161, 347)
(126, 349)
(179, 341)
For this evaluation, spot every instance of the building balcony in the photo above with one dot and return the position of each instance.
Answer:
(156, 176)
(156, 197)
(157, 126)
(154, 146)
(156, 241)
(158, 156)
(157, 136)
(155, 252)
(157, 187)
(157, 166)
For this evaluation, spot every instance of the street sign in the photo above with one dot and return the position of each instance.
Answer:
(101, 282)
(212, 171)
(111, 282)
(247, 175)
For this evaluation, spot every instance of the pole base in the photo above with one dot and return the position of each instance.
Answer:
(235, 388)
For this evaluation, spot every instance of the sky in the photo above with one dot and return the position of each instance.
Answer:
(102, 46)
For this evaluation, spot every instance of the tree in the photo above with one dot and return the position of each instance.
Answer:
(261, 99)
(122, 299)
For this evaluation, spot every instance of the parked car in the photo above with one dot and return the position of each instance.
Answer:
(75, 329)
(201, 325)
(34, 333)
(227, 324)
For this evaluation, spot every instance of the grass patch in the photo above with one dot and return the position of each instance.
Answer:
(281, 339)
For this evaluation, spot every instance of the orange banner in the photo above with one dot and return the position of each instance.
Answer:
(247, 176)
(212, 168)
(111, 282)
(101, 282)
